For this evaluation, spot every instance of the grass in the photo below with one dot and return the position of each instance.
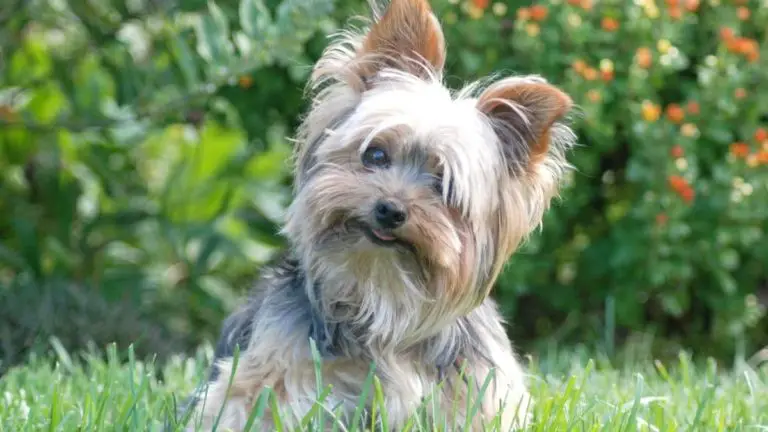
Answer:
(92, 392)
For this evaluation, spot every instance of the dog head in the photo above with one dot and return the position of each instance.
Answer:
(403, 181)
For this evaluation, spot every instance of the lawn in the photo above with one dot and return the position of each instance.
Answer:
(574, 392)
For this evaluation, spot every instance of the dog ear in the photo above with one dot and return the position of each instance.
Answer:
(522, 113)
(407, 37)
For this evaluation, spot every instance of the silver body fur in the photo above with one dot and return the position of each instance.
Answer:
(409, 200)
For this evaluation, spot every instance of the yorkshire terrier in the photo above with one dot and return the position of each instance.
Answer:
(409, 198)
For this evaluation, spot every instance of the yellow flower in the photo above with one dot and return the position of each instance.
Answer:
(663, 45)
(574, 20)
(689, 130)
(500, 9)
(606, 65)
(532, 29)
(651, 10)
(650, 111)
(474, 12)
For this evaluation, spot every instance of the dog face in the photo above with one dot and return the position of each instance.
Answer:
(398, 174)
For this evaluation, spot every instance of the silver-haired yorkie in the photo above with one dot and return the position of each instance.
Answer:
(409, 198)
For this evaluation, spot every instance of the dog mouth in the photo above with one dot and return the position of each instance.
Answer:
(379, 236)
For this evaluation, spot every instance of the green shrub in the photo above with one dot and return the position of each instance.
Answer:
(142, 161)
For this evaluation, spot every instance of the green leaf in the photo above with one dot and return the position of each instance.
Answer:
(47, 103)
(93, 85)
(255, 18)
(675, 303)
(30, 63)
(212, 31)
(199, 192)
(727, 283)
(185, 60)
(269, 165)
(729, 259)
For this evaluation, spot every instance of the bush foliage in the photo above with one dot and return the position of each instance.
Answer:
(144, 150)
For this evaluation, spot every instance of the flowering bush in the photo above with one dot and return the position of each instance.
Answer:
(663, 223)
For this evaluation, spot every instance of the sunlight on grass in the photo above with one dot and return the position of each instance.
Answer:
(92, 392)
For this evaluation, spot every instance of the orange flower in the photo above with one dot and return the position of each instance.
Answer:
(482, 4)
(693, 108)
(740, 93)
(692, 5)
(594, 96)
(687, 194)
(650, 111)
(743, 13)
(643, 57)
(523, 14)
(762, 157)
(606, 75)
(539, 12)
(761, 134)
(727, 33)
(661, 219)
(672, 3)
(610, 24)
(677, 151)
(676, 182)
(590, 74)
(747, 47)
(740, 150)
(676, 13)
(579, 66)
(245, 81)
(675, 114)
(584, 4)
(681, 187)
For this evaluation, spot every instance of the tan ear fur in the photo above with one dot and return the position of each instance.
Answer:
(406, 37)
(525, 109)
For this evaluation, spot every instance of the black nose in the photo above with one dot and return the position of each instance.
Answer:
(389, 214)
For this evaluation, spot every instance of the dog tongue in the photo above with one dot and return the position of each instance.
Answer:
(383, 236)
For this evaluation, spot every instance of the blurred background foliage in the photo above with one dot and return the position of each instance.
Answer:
(144, 165)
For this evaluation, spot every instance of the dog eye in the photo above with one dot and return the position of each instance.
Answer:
(375, 157)
(438, 185)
